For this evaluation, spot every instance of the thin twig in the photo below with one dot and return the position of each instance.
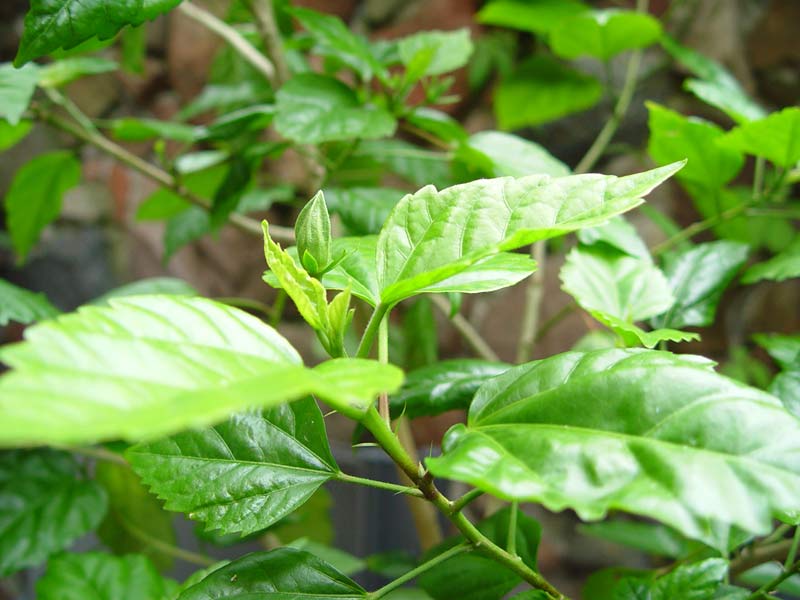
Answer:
(265, 22)
(534, 291)
(758, 555)
(467, 331)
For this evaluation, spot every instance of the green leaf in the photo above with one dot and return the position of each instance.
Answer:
(445, 385)
(335, 39)
(34, 198)
(645, 432)
(619, 285)
(130, 129)
(651, 538)
(202, 179)
(363, 210)
(133, 49)
(475, 577)
(715, 86)
(434, 235)
(541, 90)
(784, 349)
(633, 335)
(230, 191)
(314, 108)
(620, 235)
(313, 232)
(342, 561)
(136, 522)
(62, 72)
(698, 277)
(765, 573)
(506, 154)
(537, 16)
(23, 306)
(151, 285)
(603, 34)
(416, 165)
(782, 266)
(710, 162)
(47, 505)
(439, 51)
(10, 135)
(150, 366)
(440, 124)
(312, 521)
(244, 474)
(103, 577)
(420, 345)
(786, 386)
(775, 137)
(696, 581)
(285, 572)
(54, 24)
(16, 90)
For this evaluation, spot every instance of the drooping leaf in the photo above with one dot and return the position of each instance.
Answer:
(542, 90)
(16, 90)
(54, 24)
(619, 234)
(136, 522)
(10, 135)
(710, 162)
(651, 538)
(314, 108)
(537, 16)
(475, 577)
(34, 198)
(203, 176)
(782, 266)
(23, 306)
(436, 52)
(150, 366)
(285, 572)
(784, 349)
(645, 432)
(47, 505)
(103, 577)
(698, 277)
(145, 287)
(62, 72)
(230, 191)
(511, 155)
(446, 385)
(362, 210)
(603, 34)
(434, 235)
(244, 474)
(775, 137)
(184, 228)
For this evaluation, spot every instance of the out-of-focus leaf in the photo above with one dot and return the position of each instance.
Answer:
(774, 137)
(151, 285)
(62, 72)
(342, 561)
(16, 90)
(537, 16)
(603, 34)
(443, 51)
(784, 349)
(362, 210)
(10, 135)
(23, 306)
(651, 538)
(130, 129)
(782, 266)
(510, 155)
(786, 386)
(619, 234)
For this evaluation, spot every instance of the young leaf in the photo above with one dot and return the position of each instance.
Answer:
(645, 432)
(47, 505)
(603, 34)
(537, 16)
(698, 277)
(54, 24)
(313, 232)
(150, 366)
(443, 51)
(23, 306)
(440, 124)
(510, 155)
(103, 577)
(542, 90)
(244, 474)
(314, 108)
(34, 198)
(285, 572)
(775, 137)
(62, 72)
(435, 235)
(10, 135)
(16, 90)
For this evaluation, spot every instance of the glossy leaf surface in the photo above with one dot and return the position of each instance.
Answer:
(242, 475)
(150, 366)
(645, 432)
(47, 505)
(23, 306)
(775, 137)
(603, 34)
(283, 573)
(16, 90)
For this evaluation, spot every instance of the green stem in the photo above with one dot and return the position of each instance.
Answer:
(382, 485)
(72, 109)
(758, 178)
(511, 544)
(699, 227)
(165, 548)
(466, 329)
(383, 358)
(460, 503)
(770, 586)
(371, 331)
(414, 573)
(792, 556)
(534, 291)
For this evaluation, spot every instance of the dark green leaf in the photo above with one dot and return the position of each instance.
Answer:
(150, 366)
(603, 34)
(10, 135)
(54, 24)
(542, 90)
(391, 564)
(314, 108)
(698, 277)
(244, 474)
(230, 191)
(362, 210)
(342, 561)
(697, 581)
(184, 228)
(775, 137)
(780, 267)
(538, 16)
(651, 538)
(103, 577)
(203, 177)
(251, 118)
(23, 306)
(34, 198)
(285, 572)
(644, 432)
(62, 72)
(311, 522)
(47, 505)
(443, 51)
(511, 155)
(16, 90)
(420, 337)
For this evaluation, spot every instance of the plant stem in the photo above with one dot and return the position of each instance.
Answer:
(792, 556)
(264, 15)
(770, 586)
(467, 331)
(368, 338)
(383, 485)
(511, 544)
(100, 453)
(460, 503)
(414, 573)
(759, 555)
(383, 357)
(534, 292)
(699, 227)
(758, 178)
(72, 109)
(237, 41)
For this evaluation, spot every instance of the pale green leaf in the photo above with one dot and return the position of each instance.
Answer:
(47, 504)
(645, 432)
(786, 386)
(434, 235)
(444, 51)
(133, 49)
(62, 72)
(510, 155)
(620, 235)
(633, 335)
(54, 24)
(10, 135)
(149, 366)
(782, 266)
(537, 16)
(23, 306)
(776, 137)
(603, 34)
(784, 349)
(34, 198)
(313, 108)
(244, 474)
(767, 572)
(16, 90)
(103, 577)
(130, 129)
